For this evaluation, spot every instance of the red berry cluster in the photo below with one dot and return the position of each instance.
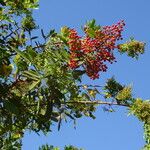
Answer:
(75, 48)
(92, 52)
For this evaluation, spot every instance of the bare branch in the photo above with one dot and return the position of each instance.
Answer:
(99, 102)
(95, 102)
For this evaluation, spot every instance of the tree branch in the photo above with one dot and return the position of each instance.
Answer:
(99, 102)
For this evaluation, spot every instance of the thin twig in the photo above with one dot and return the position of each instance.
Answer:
(98, 86)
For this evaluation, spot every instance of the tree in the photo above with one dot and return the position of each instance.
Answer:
(41, 82)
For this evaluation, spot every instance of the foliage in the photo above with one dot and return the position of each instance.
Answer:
(124, 94)
(10, 7)
(147, 136)
(141, 109)
(41, 82)
(112, 87)
(47, 147)
(133, 48)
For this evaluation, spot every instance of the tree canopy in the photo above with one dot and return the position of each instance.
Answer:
(41, 82)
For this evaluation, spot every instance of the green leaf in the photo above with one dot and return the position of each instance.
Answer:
(11, 107)
(17, 135)
(33, 85)
(38, 106)
(23, 55)
(32, 75)
(78, 73)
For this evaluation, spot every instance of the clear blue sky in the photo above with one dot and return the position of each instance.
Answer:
(109, 131)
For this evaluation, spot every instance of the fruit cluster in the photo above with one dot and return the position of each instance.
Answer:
(91, 52)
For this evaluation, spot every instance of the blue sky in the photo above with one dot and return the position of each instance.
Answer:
(109, 131)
